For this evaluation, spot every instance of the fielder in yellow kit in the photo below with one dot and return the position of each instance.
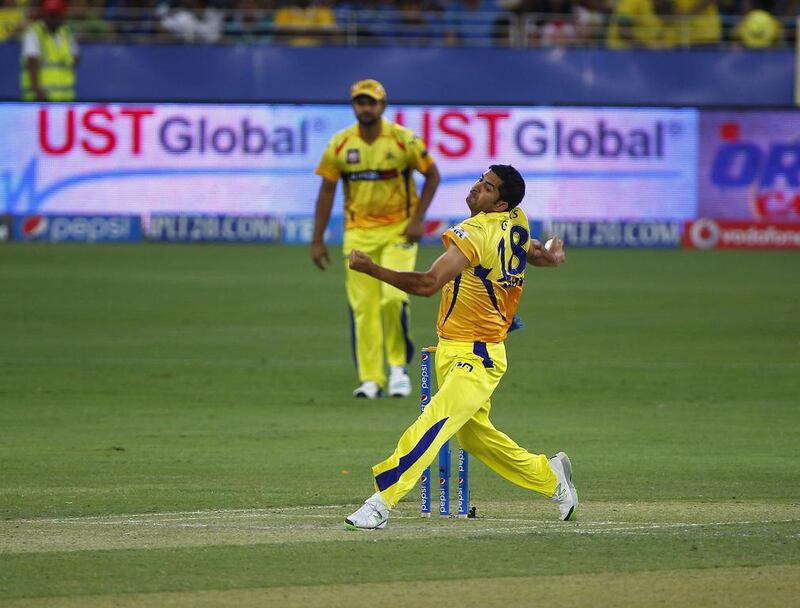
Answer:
(481, 274)
(376, 159)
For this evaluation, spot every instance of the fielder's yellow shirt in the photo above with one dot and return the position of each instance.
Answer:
(646, 27)
(705, 28)
(379, 187)
(479, 304)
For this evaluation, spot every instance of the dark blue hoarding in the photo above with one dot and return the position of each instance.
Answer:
(213, 228)
(632, 235)
(5, 228)
(77, 228)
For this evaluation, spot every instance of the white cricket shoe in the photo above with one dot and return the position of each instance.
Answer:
(368, 390)
(372, 515)
(565, 461)
(565, 496)
(399, 382)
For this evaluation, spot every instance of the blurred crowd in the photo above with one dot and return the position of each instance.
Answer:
(619, 24)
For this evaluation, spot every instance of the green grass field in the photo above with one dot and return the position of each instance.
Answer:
(176, 429)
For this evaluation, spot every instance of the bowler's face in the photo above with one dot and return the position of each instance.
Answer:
(485, 194)
(368, 110)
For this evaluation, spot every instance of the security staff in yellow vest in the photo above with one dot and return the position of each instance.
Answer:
(49, 56)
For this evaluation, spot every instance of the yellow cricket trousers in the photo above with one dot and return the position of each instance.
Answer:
(467, 373)
(379, 313)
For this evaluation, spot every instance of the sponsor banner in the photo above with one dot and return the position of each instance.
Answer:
(200, 159)
(77, 228)
(300, 229)
(664, 235)
(213, 228)
(5, 228)
(536, 228)
(750, 166)
(435, 228)
(730, 234)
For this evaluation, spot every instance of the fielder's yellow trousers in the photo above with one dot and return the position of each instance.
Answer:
(467, 374)
(379, 312)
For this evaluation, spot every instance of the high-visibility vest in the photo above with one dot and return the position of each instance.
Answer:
(56, 65)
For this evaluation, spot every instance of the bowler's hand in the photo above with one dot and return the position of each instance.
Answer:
(414, 230)
(319, 255)
(557, 249)
(360, 261)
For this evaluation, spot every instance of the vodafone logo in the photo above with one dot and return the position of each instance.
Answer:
(704, 234)
(734, 234)
(34, 226)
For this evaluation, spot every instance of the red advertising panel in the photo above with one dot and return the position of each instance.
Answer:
(733, 234)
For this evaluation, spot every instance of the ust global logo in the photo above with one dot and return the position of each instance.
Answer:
(770, 172)
(78, 146)
(104, 130)
(493, 133)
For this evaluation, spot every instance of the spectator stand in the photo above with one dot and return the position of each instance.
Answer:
(618, 24)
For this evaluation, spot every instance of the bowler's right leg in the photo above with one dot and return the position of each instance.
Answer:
(550, 477)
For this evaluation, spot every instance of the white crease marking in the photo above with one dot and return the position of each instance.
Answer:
(222, 519)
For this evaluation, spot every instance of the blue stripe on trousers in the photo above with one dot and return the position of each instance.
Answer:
(353, 337)
(479, 348)
(406, 336)
(388, 478)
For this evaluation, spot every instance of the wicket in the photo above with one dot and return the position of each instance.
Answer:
(426, 380)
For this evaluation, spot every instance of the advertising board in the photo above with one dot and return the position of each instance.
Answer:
(239, 160)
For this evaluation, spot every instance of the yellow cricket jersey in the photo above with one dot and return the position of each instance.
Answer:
(479, 304)
(647, 28)
(379, 187)
(705, 28)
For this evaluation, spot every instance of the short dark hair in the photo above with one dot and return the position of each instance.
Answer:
(512, 190)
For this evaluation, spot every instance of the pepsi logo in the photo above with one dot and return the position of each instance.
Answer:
(34, 226)
(435, 227)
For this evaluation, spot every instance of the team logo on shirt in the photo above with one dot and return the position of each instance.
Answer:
(353, 157)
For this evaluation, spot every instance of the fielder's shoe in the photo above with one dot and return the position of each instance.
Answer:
(399, 382)
(372, 515)
(368, 390)
(565, 496)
